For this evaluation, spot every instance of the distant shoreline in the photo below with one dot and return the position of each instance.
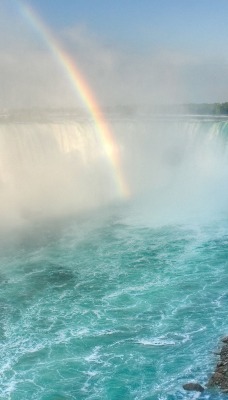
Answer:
(203, 111)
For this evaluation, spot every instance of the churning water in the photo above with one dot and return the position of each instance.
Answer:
(127, 299)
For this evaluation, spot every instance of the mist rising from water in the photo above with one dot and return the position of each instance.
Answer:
(174, 167)
(52, 170)
(179, 167)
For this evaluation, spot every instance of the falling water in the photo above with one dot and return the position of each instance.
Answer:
(103, 297)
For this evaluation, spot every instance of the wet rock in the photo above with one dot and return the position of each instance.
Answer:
(220, 376)
(191, 386)
(220, 364)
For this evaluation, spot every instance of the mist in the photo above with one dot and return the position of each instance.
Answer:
(51, 170)
(174, 168)
(56, 166)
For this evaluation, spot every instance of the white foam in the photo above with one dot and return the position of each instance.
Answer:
(94, 356)
(156, 342)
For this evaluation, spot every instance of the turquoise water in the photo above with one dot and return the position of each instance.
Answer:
(127, 302)
(112, 308)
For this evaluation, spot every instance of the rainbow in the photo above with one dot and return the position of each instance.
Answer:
(82, 89)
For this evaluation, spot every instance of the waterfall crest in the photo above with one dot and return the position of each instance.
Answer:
(59, 168)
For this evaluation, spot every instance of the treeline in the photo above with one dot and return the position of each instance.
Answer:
(193, 108)
(205, 108)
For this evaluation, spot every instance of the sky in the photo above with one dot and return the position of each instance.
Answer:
(130, 52)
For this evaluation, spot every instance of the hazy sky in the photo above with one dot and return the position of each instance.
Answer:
(129, 51)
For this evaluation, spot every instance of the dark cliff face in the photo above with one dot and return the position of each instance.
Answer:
(220, 376)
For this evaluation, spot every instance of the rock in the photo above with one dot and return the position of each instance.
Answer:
(220, 376)
(220, 364)
(191, 386)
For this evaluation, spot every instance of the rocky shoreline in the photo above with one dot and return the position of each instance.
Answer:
(219, 378)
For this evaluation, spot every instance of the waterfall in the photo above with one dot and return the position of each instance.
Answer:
(49, 169)
(56, 168)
